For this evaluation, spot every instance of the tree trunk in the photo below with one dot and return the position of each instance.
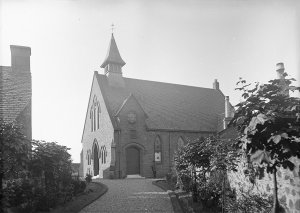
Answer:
(195, 190)
(223, 194)
(1, 192)
(276, 206)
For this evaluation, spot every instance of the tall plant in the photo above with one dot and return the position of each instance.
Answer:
(268, 121)
(14, 150)
(192, 162)
(14, 154)
(52, 162)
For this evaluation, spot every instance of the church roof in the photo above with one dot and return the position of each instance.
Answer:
(113, 54)
(169, 107)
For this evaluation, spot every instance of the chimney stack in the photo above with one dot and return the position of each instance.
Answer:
(20, 58)
(228, 115)
(216, 85)
(280, 75)
(280, 70)
(227, 107)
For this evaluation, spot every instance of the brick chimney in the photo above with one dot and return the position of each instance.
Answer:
(280, 70)
(228, 114)
(216, 85)
(20, 58)
(280, 75)
(21, 79)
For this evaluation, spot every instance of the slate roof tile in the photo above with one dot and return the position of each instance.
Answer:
(15, 93)
(169, 106)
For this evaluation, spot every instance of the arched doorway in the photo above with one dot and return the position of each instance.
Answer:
(132, 160)
(96, 161)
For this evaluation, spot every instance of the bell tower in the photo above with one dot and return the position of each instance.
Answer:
(113, 64)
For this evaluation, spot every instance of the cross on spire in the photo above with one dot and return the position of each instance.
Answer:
(112, 28)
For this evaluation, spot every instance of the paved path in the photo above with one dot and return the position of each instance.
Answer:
(131, 196)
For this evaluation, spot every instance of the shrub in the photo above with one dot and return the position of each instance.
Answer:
(172, 180)
(248, 203)
(268, 123)
(88, 178)
(168, 177)
(22, 194)
(186, 181)
(35, 183)
(210, 191)
(78, 186)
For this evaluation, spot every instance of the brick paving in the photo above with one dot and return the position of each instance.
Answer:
(131, 196)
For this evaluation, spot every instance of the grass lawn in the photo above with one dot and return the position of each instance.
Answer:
(93, 191)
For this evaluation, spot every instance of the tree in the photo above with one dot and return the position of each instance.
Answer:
(14, 150)
(14, 153)
(52, 163)
(51, 159)
(24, 164)
(268, 121)
(193, 156)
(202, 165)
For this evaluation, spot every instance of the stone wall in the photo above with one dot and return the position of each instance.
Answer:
(104, 135)
(288, 184)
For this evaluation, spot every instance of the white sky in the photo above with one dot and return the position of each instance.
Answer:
(189, 42)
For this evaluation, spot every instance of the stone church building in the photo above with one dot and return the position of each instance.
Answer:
(135, 126)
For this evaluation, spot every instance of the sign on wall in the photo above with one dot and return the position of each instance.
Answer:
(157, 150)
(157, 156)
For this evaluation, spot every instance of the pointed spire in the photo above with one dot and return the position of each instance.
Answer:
(113, 55)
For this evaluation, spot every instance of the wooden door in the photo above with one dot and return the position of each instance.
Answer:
(133, 161)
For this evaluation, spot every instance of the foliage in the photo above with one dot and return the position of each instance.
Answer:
(52, 163)
(201, 166)
(248, 203)
(78, 186)
(14, 150)
(14, 155)
(211, 191)
(88, 178)
(36, 174)
(20, 192)
(195, 154)
(53, 160)
(269, 122)
(172, 180)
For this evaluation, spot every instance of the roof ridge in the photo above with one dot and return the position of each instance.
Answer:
(161, 82)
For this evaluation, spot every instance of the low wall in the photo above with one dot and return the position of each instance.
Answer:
(288, 184)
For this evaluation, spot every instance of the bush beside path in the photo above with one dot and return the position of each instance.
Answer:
(93, 191)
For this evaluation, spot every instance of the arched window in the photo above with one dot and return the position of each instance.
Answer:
(99, 111)
(91, 117)
(157, 150)
(95, 114)
(88, 157)
(103, 154)
(94, 120)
